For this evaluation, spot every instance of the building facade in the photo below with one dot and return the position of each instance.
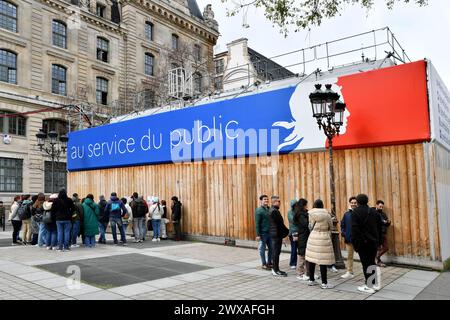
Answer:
(72, 64)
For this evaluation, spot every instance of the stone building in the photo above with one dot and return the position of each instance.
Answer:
(75, 63)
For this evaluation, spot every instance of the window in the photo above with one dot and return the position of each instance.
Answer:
(11, 175)
(8, 66)
(8, 16)
(58, 125)
(102, 91)
(12, 124)
(102, 49)
(219, 66)
(149, 63)
(218, 83)
(149, 31)
(174, 42)
(59, 30)
(59, 80)
(197, 52)
(59, 179)
(101, 10)
(197, 82)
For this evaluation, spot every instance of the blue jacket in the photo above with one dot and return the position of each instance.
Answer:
(115, 208)
(346, 226)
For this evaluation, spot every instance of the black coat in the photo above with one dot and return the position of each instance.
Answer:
(366, 229)
(277, 229)
(301, 220)
(63, 209)
(176, 211)
(104, 216)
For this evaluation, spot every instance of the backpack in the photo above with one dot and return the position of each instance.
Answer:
(24, 211)
(141, 209)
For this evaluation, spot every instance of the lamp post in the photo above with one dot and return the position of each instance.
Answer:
(329, 113)
(53, 147)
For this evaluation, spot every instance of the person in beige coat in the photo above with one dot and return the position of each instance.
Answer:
(319, 248)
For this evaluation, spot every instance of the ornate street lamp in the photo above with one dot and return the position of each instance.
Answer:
(53, 147)
(329, 113)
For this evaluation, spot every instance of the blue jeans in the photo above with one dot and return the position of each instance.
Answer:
(75, 231)
(102, 230)
(42, 234)
(63, 228)
(156, 223)
(294, 246)
(265, 241)
(51, 237)
(89, 241)
(125, 226)
(119, 223)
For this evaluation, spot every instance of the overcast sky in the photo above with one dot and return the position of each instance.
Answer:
(423, 32)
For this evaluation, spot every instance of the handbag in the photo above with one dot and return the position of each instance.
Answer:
(47, 217)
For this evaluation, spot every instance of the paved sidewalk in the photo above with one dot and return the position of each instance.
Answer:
(180, 271)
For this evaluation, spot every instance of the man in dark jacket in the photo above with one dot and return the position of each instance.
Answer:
(385, 223)
(346, 231)
(63, 209)
(262, 225)
(139, 209)
(103, 219)
(77, 220)
(278, 231)
(366, 237)
(116, 210)
(176, 217)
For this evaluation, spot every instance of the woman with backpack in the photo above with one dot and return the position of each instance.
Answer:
(14, 219)
(24, 213)
(90, 220)
(156, 211)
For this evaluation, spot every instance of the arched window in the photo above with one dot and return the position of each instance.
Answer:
(59, 84)
(12, 124)
(102, 49)
(198, 79)
(102, 91)
(149, 64)
(174, 42)
(8, 66)
(149, 31)
(59, 34)
(8, 16)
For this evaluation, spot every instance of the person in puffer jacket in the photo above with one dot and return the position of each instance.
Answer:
(156, 211)
(116, 210)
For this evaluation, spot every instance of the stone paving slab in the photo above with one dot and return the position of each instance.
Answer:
(71, 292)
(99, 295)
(164, 283)
(131, 290)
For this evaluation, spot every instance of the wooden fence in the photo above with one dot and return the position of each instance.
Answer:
(219, 197)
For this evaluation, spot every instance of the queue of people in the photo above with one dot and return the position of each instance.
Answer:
(58, 221)
(363, 228)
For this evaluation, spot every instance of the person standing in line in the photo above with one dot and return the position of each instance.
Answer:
(24, 213)
(77, 220)
(156, 211)
(51, 240)
(262, 224)
(278, 232)
(301, 220)
(292, 230)
(36, 218)
(319, 249)
(176, 217)
(366, 238)
(164, 220)
(385, 223)
(63, 209)
(103, 219)
(116, 210)
(128, 216)
(90, 220)
(139, 209)
(14, 219)
(346, 231)
(2, 215)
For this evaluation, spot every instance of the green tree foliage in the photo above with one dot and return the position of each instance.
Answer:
(303, 14)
